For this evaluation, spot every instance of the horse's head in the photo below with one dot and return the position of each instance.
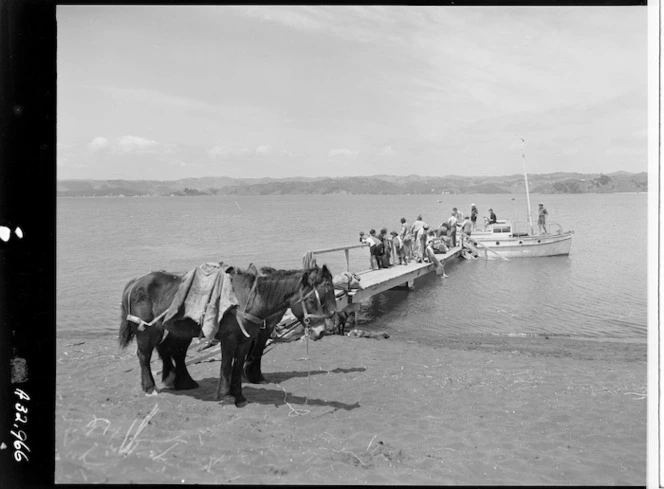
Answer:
(316, 304)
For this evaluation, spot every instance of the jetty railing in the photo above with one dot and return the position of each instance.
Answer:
(345, 249)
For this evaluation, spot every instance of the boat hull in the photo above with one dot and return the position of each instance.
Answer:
(522, 247)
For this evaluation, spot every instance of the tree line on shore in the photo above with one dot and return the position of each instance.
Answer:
(552, 183)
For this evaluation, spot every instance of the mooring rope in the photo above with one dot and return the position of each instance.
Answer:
(294, 411)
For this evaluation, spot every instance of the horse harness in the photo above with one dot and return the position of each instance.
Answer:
(135, 319)
(241, 315)
(244, 315)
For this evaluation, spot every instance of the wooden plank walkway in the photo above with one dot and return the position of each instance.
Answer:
(374, 282)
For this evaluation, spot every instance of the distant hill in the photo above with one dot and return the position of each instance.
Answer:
(550, 183)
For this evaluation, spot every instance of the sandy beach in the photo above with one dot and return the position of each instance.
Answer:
(468, 410)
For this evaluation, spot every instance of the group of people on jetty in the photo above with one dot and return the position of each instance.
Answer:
(418, 242)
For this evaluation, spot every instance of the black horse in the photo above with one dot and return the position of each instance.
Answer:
(260, 297)
(252, 366)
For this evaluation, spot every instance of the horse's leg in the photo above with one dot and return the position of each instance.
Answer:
(182, 378)
(146, 341)
(236, 373)
(252, 365)
(228, 346)
(168, 371)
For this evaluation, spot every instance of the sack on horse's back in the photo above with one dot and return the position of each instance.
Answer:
(346, 281)
(204, 295)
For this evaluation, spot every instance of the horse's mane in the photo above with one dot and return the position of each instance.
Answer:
(274, 284)
(280, 284)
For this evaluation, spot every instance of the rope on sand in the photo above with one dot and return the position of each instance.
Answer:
(300, 412)
(293, 411)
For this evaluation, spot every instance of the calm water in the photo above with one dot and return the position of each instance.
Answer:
(598, 292)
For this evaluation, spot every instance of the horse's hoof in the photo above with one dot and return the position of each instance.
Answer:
(152, 392)
(226, 399)
(241, 403)
(169, 382)
(255, 380)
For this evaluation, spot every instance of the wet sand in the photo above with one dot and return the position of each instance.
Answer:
(464, 411)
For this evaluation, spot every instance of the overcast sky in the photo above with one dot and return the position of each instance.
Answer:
(173, 92)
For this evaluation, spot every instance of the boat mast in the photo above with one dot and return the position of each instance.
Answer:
(525, 176)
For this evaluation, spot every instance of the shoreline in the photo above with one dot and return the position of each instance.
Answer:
(495, 410)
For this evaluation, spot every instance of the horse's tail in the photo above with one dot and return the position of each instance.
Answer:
(126, 333)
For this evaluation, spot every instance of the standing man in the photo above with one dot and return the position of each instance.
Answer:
(416, 231)
(466, 227)
(385, 258)
(473, 215)
(452, 227)
(372, 241)
(407, 240)
(492, 217)
(541, 220)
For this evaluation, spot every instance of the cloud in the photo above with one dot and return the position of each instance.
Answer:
(342, 153)
(387, 151)
(157, 98)
(98, 143)
(183, 164)
(263, 150)
(224, 151)
(220, 152)
(134, 144)
(359, 24)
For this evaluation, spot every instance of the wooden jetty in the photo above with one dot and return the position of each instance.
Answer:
(374, 282)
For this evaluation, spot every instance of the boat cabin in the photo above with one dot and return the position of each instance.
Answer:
(505, 228)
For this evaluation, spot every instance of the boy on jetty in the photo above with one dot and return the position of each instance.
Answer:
(398, 251)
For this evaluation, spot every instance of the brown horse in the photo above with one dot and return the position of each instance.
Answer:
(260, 297)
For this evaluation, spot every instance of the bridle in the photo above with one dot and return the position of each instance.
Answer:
(306, 320)
(243, 315)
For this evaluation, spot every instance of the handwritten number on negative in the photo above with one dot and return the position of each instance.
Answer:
(21, 395)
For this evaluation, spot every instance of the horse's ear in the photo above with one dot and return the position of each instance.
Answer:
(252, 269)
(326, 271)
(306, 278)
(231, 270)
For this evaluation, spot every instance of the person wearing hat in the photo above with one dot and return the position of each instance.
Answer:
(541, 220)
(466, 228)
(473, 215)
(398, 249)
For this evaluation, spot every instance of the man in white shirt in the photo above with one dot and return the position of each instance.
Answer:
(452, 227)
(417, 230)
(372, 241)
